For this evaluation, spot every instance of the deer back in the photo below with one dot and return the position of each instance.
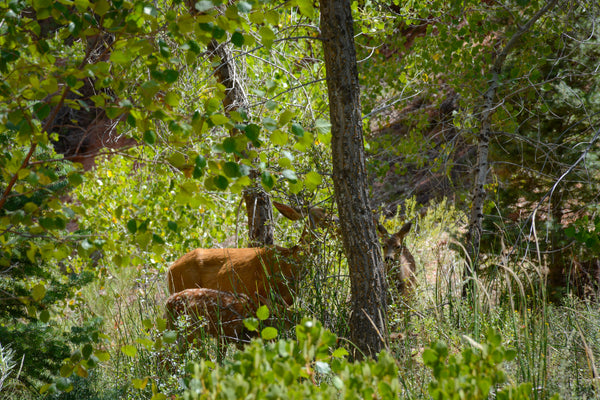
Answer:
(254, 272)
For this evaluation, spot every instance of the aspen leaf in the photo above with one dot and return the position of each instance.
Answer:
(268, 333)
(237, 39)
(38, 292)
(129, 350)
(150, 137)
(251, 324)
(312, 180)
(267, 180)
(262, 313)
(221, 182)
(289, 175)
(267, 36)
(279, 138)
(306, 8)
(139, 383)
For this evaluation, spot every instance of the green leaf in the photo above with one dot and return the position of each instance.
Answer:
(289, 175)
(139, 383)
(203, 5)
(306, 8)
(251, 324)
(267, 36)
(87, 350)
(219, 119)
(322, 367)
(45, 316)
(38, 292)
(102, 355)
(312, 180)
(170, 336)
(237, 39)
(158, 396)
(75, 179)
(279, 138)
(129, 350)
(120, 57)
(322, 125)
(339, 353)
(229, 145)
(64, 384)
(262, 313)
(269, 124)
(172, 226)
(244, 7)
(252, 132)
(268, 333)
(221, 182)
(267, 180)
(132, 226)
(200, 161)
(150, 137)
(231, 169)
(297, 130)
(285, 117)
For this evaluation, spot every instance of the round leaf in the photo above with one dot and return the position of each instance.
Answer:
(262, 313)
(150, 137)
(129, 350)
(268, 333)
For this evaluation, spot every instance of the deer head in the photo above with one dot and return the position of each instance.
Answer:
(400, 265)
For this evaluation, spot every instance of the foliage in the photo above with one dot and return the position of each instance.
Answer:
(82, 254)
(308, 368)
(473, 374)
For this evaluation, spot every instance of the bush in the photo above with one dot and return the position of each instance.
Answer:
(475, 373)
(306, 368)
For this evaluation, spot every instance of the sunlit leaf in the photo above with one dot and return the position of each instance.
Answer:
(268, 333)
(129, 350)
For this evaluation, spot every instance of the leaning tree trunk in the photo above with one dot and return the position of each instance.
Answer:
(258, 202)
(369, 289)
(473, 237)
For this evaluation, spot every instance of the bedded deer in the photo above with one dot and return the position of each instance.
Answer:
(261, 273)
(220, 314)
(400, 266)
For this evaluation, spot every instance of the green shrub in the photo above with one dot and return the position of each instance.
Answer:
(474, 373)
(306, 368)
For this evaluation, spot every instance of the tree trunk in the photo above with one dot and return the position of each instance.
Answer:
(258, 203)
(473, 237)
(368, 321)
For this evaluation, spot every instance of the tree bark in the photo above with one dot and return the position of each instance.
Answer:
(478, 193)
(368, 321)
(258, 203)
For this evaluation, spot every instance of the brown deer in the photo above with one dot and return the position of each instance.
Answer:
(400, 266)
(220, 314)
(263, 273)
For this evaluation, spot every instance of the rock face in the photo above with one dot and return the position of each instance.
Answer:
(83, 133)
(438, 160)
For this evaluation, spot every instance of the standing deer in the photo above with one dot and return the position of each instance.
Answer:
(259, 273)
(400, 266)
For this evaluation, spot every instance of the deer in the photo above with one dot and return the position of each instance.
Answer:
(217, 313)
(263, 274)
(400, 266)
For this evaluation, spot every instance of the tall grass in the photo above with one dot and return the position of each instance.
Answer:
(557, 345)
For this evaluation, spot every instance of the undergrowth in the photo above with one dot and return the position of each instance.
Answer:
(438, 340)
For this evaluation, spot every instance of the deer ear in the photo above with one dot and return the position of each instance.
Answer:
(381, 231)
(288, 211)
(404, 230)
